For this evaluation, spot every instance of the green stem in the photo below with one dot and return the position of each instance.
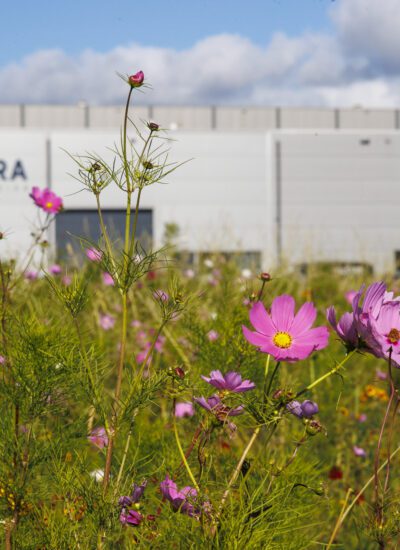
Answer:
(183, 456)
(326, 375)
(272, 377)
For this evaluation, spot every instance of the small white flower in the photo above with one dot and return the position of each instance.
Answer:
(213, 315)
(209, 263)
(98, 475)
(246, 274)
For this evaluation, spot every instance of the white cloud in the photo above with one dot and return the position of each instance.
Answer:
(358, 63)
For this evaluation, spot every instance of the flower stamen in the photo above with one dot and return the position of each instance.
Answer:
(282, 340)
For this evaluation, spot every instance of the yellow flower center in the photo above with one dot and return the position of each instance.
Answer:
(49, 204)
(393, 336)
(282, 340)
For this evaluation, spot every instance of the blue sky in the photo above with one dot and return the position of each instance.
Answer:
(193, 52)
(73, 25)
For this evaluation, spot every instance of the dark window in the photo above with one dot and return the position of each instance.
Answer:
(74, 225)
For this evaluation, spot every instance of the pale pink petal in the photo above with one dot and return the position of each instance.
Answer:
(304, 319)
(282, 312)
(261, 320)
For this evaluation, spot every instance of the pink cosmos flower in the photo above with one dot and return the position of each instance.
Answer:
(183, 500)
(212, 335)
(99, 437)
(67, 280)
(183, 409)
(31, 275)
(46, 200)
(282, 334)
(106, 322)
(215, 406)
(55, 269)
(384, 337)
(2, 359)
(94, 255)
(345, 328)
(136, 80)
(107, 279)
(230, 382)
(130, 517)
(160, 295)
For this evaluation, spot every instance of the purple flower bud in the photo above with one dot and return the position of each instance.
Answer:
(309, 408)
(294, 407)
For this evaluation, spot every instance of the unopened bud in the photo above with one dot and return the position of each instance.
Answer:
(265, 277)
(179, 372)
(153, 126)
(313, 427)
(136, 80)
(148, 165)
(253, 297)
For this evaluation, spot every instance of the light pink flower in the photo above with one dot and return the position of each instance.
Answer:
(94, 255)
(31, 275)
(359, 451)
(185, 408)
(46, 200)
(106, 321)
(107, 279)
(350, 295)
(67, 280)
(282, 334)
(136, 323)
(99, 437)
(160, 295)
(212, 335)
(2, 359)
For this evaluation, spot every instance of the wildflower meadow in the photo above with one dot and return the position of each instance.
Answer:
(146, 402)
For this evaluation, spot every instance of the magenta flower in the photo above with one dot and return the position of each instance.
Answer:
(99, 437)
(384, 336)
(345, 328)
(130, 517)
(183, 409)
(106, 321)
(215, 406)
(94, 255)
(183, 501)
(135, 496)
(229, 382)
(282, 334)
(46, 200)
(375, 297)
(107, 279)
(55, 269)
(136, 80)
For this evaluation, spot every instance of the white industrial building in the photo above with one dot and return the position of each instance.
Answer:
(295, 185)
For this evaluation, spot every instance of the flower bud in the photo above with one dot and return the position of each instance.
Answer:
(136, 80)
(153, 126)
(265, 277)
(313, 427)
(309, 408)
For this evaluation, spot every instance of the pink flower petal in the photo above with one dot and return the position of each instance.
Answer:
(261, 320)
(317, 337)
(282, 312)
(255, 338)
(304, 319)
